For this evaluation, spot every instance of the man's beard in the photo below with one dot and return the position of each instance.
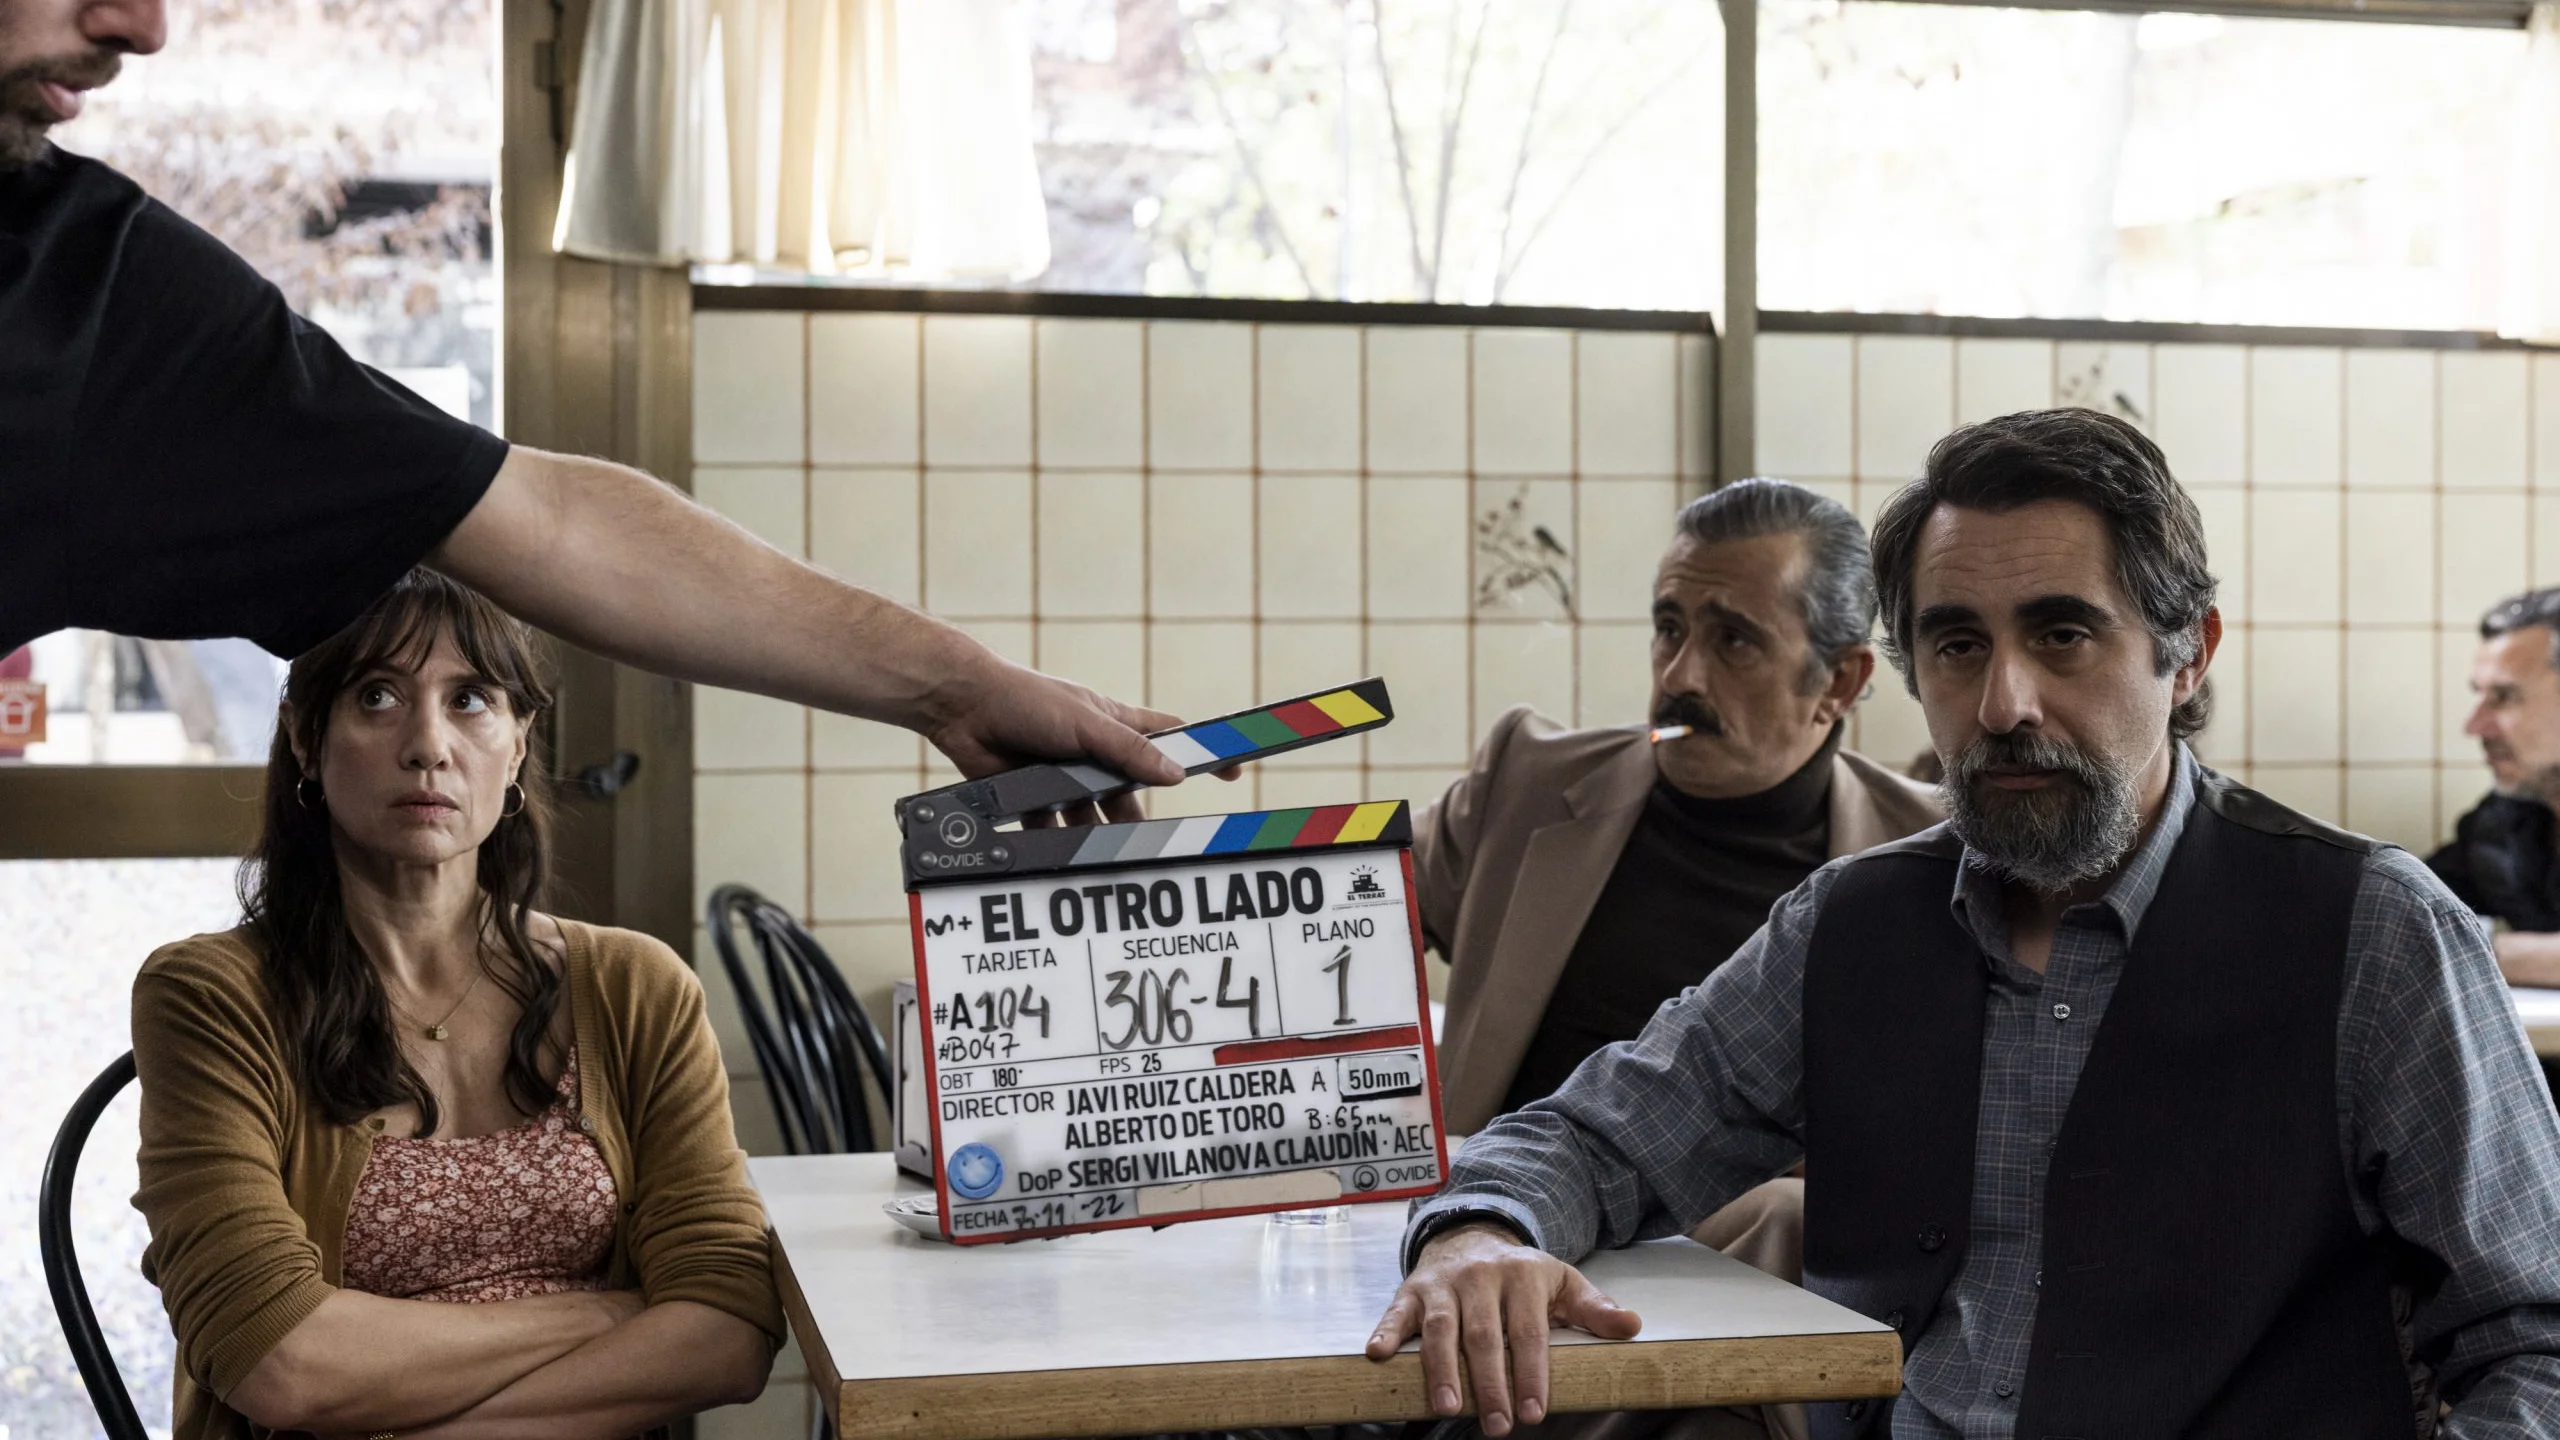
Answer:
(2541, 785)
(1688, 710)
(24, 115)
(2073, 829)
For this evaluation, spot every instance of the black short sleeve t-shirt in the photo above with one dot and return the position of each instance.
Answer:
(2502, 862)
(181, 456)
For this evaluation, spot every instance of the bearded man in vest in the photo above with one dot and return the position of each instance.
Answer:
(2137, 1104)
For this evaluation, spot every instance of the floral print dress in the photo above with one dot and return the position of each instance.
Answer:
(523, 1211)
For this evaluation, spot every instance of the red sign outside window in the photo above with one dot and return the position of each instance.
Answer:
(21, 704)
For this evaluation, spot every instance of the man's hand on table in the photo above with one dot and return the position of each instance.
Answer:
(1477, 1290)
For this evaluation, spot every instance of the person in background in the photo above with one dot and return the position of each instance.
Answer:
(418, 1158)
(2502, 860)
(1576, 880)
(2134, 1103)
(183, 457)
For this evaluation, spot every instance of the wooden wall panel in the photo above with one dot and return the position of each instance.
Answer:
(596, 360)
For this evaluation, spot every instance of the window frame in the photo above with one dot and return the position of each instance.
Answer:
(129, 812)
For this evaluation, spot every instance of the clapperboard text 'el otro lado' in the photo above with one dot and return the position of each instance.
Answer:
(1141, 1023)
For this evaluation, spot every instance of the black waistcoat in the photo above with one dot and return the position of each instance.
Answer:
(2203, 1271)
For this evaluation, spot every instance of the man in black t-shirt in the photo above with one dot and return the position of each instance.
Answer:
(181, 456)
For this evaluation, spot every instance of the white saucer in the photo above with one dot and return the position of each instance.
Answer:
(917, 1212)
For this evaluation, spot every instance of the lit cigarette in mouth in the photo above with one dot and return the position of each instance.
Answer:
(1669, 732)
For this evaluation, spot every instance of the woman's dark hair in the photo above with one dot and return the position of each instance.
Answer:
(335, 1014)
(2087, 458)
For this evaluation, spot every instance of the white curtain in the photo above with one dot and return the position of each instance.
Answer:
(2529, 289)
(881, 136)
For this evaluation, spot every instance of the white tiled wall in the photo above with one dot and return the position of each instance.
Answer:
(2363, 506)
(1195, 516)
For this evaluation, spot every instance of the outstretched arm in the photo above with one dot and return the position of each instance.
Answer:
(612, 560)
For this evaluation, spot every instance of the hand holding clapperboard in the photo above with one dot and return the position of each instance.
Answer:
(1177, 1019)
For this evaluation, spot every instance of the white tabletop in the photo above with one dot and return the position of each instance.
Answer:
(1099, 1334)
(2540, 1011)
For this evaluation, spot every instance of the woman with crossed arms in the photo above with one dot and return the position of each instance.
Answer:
(419, 1159)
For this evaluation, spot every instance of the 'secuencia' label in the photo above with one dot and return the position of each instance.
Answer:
(1153, 1045)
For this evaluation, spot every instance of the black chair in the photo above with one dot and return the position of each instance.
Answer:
(62, 1262)
(816, 1043)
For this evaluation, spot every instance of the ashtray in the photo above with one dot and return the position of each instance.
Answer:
(917, 1212)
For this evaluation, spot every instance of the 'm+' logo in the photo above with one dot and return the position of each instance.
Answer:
(941, 924)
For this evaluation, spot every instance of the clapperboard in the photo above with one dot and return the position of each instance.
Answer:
(1177, 1019)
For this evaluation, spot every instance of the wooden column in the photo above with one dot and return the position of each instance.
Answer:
(596, 359)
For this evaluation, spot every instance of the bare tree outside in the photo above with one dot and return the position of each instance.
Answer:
(1913, 157)
(1465, 151)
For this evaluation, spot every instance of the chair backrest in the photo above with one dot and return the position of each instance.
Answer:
(816, 1042)
(62, 1261)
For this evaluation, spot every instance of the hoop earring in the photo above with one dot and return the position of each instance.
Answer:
(518, 792)
(298, 797)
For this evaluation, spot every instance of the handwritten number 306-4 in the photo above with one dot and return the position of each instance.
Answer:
(1156, 1017)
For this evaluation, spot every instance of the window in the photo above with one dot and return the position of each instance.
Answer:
(1546, 152)
(1560, 152)
(1952, 159)
(77, 932)
(110, 699)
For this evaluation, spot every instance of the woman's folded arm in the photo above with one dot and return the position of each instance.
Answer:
(365, 1363)
(675, 1359)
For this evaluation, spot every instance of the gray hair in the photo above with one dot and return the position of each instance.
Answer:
(2533, 607)
(1838, 596)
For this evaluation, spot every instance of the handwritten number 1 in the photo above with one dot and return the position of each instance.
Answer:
(1340, 970)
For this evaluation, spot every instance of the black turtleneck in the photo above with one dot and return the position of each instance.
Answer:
(1697, 877)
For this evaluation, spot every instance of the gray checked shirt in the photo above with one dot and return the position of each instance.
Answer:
(2446, 1135)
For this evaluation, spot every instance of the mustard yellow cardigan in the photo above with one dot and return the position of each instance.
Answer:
(246, 1187)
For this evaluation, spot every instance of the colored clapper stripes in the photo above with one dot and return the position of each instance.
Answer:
(1238, 738)
(1237, 834)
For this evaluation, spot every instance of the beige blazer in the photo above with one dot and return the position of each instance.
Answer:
(1508, 864)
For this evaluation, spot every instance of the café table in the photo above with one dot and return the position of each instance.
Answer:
(1228, 1324)
(2540, 1011)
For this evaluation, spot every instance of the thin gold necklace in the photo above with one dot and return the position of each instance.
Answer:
(437, 1030)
